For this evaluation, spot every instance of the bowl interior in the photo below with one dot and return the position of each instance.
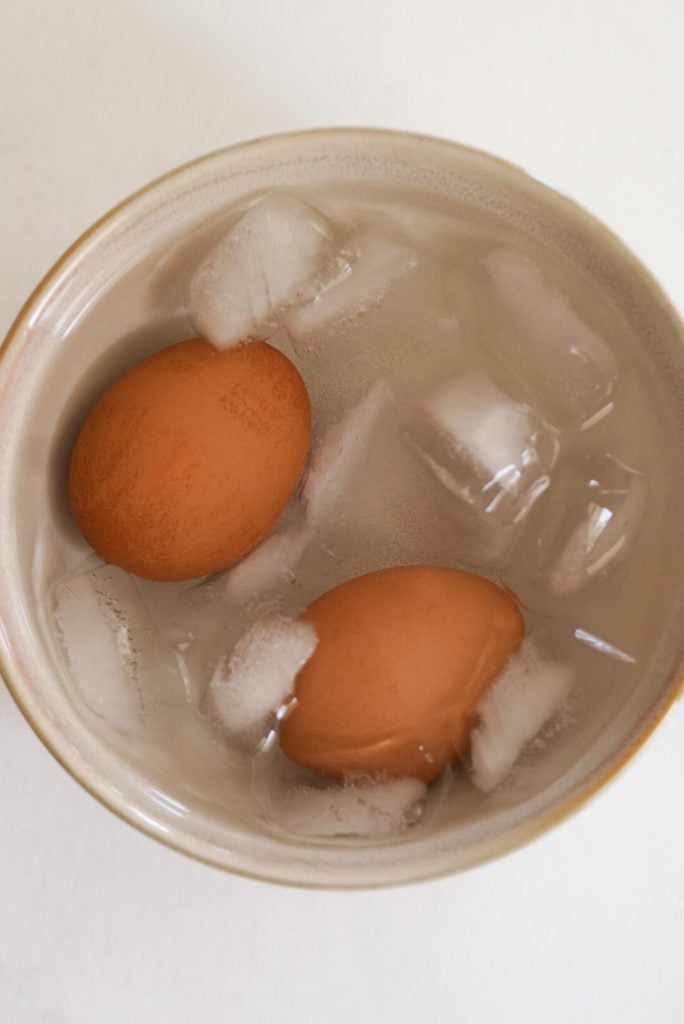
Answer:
(118, 295)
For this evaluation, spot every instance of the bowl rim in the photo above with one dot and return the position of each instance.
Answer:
(523, 832)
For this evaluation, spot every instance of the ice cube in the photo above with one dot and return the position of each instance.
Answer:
(483, 446)
(382, 258)
(279, 252)
(329, 476)
(569, 369)
(521, 700)
(612, 504)
(366, 808)
(123, 669)
(268, 564)
(586, 526)
(258, 676)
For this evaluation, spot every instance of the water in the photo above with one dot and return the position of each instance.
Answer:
(476, 404)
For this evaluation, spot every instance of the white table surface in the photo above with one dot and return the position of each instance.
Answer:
(99, 924)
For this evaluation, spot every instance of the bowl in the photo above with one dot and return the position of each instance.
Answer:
(113, 298)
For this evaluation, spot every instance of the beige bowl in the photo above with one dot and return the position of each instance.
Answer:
(113, 297)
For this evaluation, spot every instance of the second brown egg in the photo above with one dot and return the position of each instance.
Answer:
(402, 659)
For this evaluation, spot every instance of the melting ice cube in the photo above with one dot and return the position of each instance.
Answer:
(486, 448)
(569, 369)
(123, 669)
(279, 252)
(513, 710)
(382, 258)
(613, 502)
(328, 478)
(258, 676)
(268, 564)
(366, 808)
(586, 526)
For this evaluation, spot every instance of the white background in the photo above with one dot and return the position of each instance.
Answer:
(98, 923)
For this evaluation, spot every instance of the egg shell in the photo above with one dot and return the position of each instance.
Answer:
(187, 459)
(402, 659)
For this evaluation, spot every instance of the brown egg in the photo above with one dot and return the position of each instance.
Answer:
(187, 459)
(403, 657)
